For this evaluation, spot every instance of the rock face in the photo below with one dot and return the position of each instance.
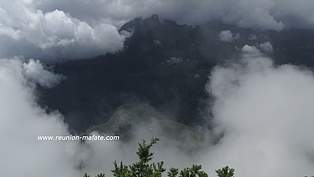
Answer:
(137, 121)
(163, 64)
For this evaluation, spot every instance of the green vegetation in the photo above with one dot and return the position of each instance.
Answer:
(145, 168)
(225, 172)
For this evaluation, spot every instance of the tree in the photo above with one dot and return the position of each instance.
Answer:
(145, 168)
(101, 175)
(225, 172)
(86, 175)
(195, 171)
(173, 172)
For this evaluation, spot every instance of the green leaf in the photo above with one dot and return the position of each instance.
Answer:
(225, 172)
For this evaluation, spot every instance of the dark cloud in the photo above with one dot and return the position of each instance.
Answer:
(257, 105)
(265, 14)
(79, 28)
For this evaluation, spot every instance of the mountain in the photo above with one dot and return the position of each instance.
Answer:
(165, 65)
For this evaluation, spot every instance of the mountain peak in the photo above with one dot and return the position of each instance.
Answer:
(151, 22)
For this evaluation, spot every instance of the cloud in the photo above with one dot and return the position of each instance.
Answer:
(57, 29)
(21, 121)
(250, 52)
(263, 111)
(227, 36)
(35, 72)
(266, 47)
(264, 14)
(30, 32)
(265, 114)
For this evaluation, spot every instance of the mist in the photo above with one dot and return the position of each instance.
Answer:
(261, 112)
(265, 115)
(21, 121)
(261, 116)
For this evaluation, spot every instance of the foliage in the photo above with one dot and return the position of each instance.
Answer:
(145, 168)
(86, 175)
(225, 172)
(101, 175)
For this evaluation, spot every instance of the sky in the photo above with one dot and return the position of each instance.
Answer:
(56, 30)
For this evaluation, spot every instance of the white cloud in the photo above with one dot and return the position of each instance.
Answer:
(228, 36)
(55, 29)
(54, 34)
(266, 47)
(36, 72)
(21, 121)
(265, 112)
(265, 14)
(250, 51)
